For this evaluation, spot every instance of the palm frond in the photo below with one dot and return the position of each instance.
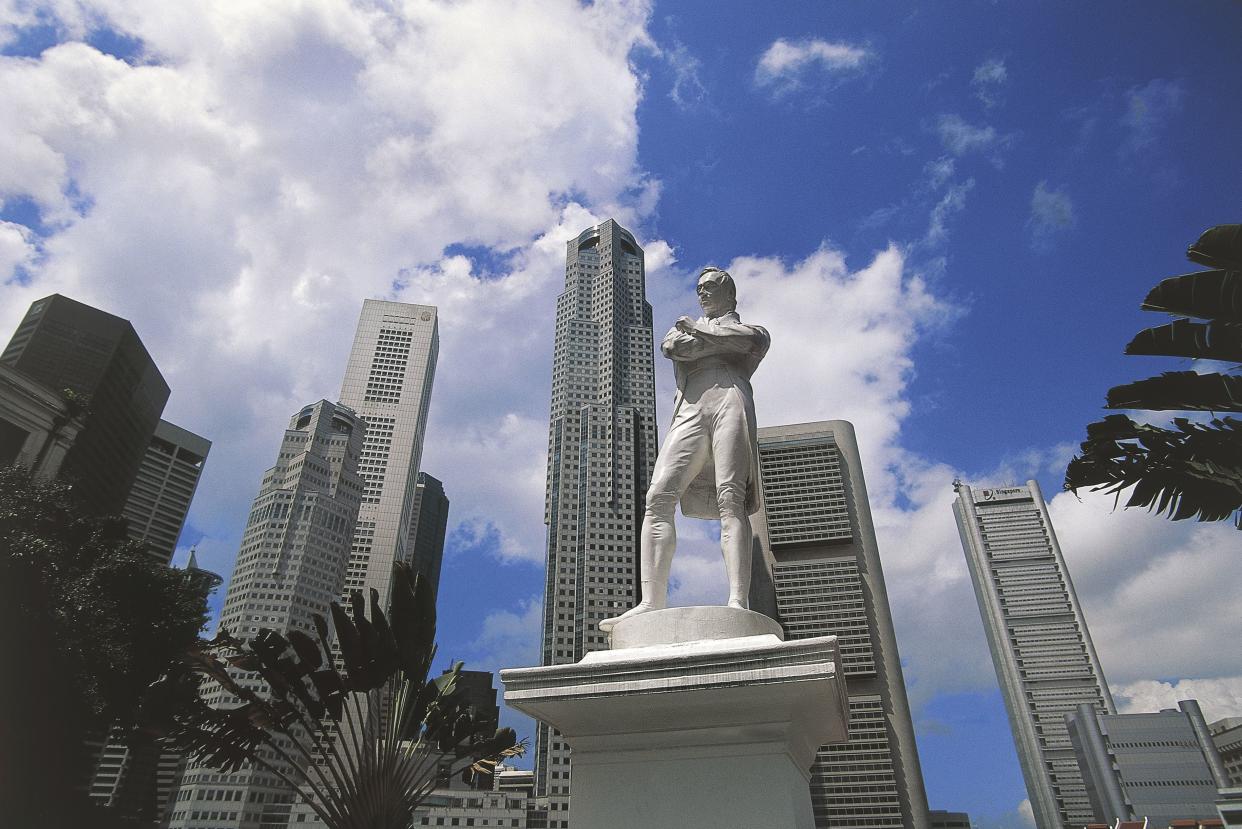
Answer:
(1218, 247)
(1197, 340)
(1215, 295)
(1193, 470)
(1180, 391)
(363, 747)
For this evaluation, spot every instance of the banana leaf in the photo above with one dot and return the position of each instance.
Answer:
(1179, 390)
(1183, 338)
(1193, 470)
(1218, 247)
(312, 727)
(1215, 295)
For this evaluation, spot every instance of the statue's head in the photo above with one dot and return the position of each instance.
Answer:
(717, 293)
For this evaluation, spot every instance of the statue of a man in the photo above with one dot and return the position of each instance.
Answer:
(709, 460)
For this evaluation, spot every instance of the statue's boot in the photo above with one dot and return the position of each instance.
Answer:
(645, 606)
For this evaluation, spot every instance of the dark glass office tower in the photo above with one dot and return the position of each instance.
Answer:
(428, 526)
(97, 357)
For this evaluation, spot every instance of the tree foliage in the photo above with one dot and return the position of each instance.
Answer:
(1193, 469)
(363, 739)
(87, 621)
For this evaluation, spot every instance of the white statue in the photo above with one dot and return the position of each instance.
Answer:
(709, 460)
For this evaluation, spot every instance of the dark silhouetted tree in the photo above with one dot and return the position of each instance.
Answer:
(87, 621)
(1190, 469)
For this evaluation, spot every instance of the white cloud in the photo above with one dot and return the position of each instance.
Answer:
(509, 638)
(939, 171)
(784, 64)
(1151, 590)
(962, 138)
(1021, 816)
(953, 202)
(688, 89)
(1218, 698)
(1148, 109)
(18, 248)
(989, 81)
(1052, 212)
(262, 168)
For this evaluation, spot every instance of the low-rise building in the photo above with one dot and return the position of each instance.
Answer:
(1160, 766)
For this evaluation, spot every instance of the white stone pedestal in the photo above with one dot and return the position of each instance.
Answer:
(679, 731)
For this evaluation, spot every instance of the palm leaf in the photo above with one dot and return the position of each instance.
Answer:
(1218, 247)
(1193, 470)
(1183, 338)
(319, 729)
(1213, 295)
(1179, 390)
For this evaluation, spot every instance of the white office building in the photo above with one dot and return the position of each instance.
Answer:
(1041, 649)
(820, 540)
(388, 383)
(290, 567)
(160, 498)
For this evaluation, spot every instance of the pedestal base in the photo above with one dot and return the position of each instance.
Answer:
(717, 733)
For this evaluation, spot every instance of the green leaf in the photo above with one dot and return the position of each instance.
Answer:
(1218, 247)
(1215, 295)
(1179, 390)
(1183, 338)
(1193, 470)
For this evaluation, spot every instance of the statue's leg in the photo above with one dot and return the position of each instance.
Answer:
(685, 451)
(731, 453)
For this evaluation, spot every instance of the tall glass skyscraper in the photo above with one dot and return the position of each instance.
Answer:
(289, 568)
(601, 450)
(826, 569)
(388, 383)
(428, 529)
(1041, 649)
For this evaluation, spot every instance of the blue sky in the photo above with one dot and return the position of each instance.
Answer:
(946, 214)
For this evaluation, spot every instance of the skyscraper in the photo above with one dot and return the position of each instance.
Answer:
(428, 527)
(826, 570)
(160, 497)
(388, 383)
(388, 380)
(68, 346)
(290, 566)
(1041, 649)
(601, 450)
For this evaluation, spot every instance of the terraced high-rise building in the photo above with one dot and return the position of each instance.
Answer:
(289, 568)
(601, 451)
(826, 569)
